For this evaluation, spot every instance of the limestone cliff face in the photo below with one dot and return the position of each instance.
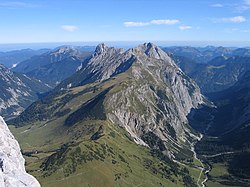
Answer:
(12, 170)
(155, 100)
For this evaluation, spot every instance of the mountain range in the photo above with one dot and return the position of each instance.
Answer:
(218, 74)
(11, 58)
(54, 66)
(110, 117)
(206, 54)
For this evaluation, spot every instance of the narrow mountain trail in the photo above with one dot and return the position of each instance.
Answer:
(206, 175)
(219, 154)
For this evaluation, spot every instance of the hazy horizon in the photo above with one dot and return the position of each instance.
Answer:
(123, 44)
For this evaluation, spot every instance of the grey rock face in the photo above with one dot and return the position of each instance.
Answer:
(17, 92)
(12, 170)
(157, 99)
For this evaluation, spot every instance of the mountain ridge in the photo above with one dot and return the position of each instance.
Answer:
(54, 66)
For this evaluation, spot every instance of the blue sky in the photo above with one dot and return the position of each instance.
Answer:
(27, 21)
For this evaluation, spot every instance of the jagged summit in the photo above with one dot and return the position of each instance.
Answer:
(149, 49)
(152, 51)
(101, 48)
(107, 62)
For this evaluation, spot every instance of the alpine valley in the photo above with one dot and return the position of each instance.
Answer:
(145, 116)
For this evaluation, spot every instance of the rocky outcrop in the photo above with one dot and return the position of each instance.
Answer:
(12, 170)
(98, 134)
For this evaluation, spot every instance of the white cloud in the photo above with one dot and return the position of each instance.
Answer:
(16, 5)
(69, 28)
(135, 24)
(164, 21)
(217, 5)
(236, 19)
(239, 7)
(185, 27)
(243, 6)
(152, 22)
(246, 30)
(231, 30)
(247, 2)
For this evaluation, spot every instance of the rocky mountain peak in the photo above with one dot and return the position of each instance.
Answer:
(64, 49)
(12, 170)
(153, 51)
(64, 52)
(148, 45)
(102, 47)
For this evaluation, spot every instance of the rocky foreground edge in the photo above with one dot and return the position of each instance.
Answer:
(12, 170)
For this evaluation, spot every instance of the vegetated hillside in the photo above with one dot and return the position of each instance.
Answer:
(218, 75)
(126, 123)
(227, 142)
(11, 58)
(17, 92)
(53, 67)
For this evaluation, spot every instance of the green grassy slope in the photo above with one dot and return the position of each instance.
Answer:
(112, 160)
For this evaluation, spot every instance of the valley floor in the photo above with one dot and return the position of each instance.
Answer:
(219, 165)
